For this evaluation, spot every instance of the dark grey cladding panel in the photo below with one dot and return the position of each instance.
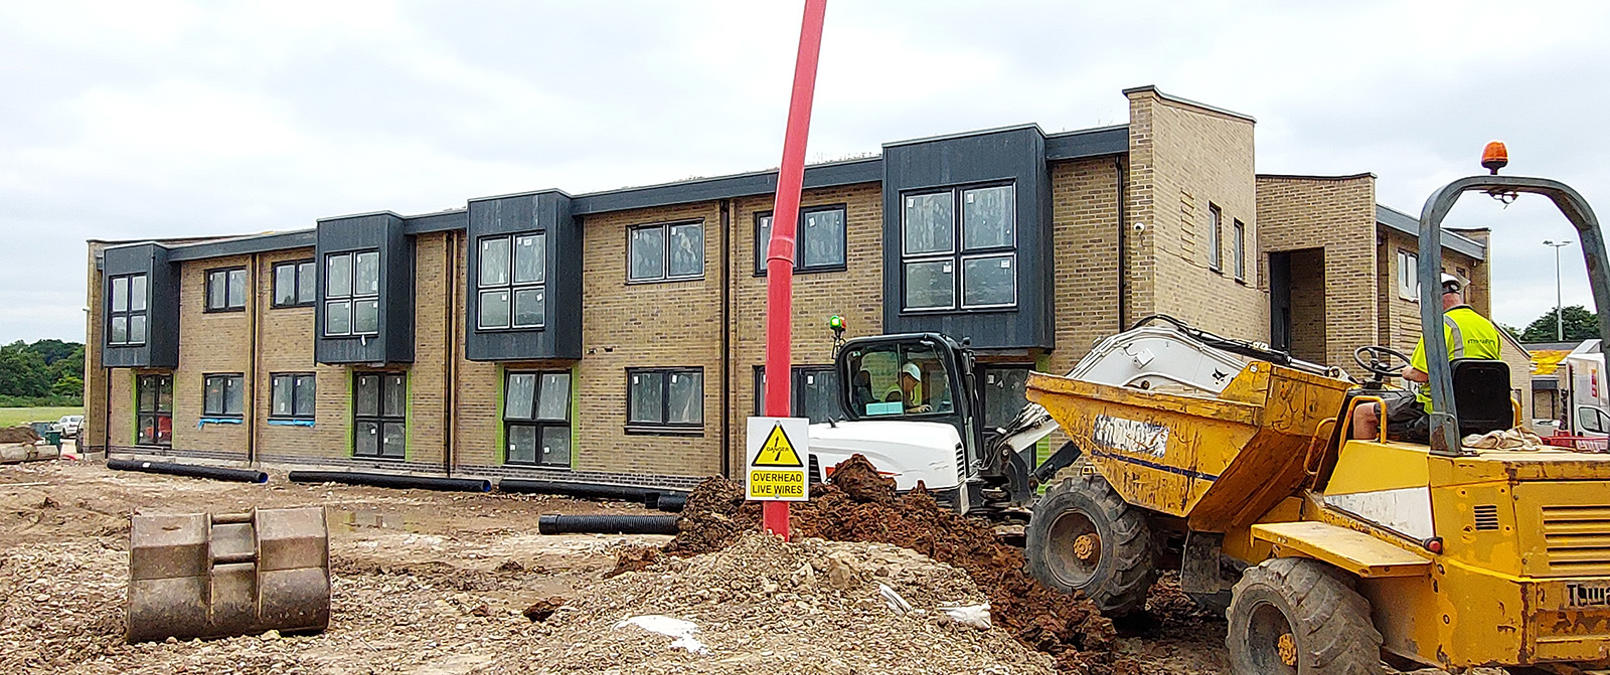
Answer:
(1017, 155)
(560, 335)
(278, 241)
(446, 221)
(161, 348)
(847, 172)
(1087, 143)
(381, 232)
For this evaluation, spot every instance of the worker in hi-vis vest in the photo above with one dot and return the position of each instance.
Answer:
(1469, 336)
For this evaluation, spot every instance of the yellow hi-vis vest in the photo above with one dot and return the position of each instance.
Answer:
(1469, 336)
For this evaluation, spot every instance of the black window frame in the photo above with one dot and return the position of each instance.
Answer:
(535, 421)
(960, 253)
(665, 252)
(662, 426)
(297, 272)
(298, 380)
(228, 279)
(128, 313)
(383, 417)
(512, 287)
(1215, 238)
(796, 391)
(799, 234)
(239, 382)
(141, 413)
(1238, 247)
(352, 296)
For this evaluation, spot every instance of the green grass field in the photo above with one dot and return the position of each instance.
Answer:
(10, 417)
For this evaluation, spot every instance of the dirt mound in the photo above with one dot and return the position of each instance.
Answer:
(861, 506)
(19, 434)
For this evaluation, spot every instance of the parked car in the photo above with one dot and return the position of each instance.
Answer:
(70, 424)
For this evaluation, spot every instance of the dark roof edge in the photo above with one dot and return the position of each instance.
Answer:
(1410, 225)
(1299, 176)
(1108, 140)
(965, 134)
(831, 174)
(1197, 104)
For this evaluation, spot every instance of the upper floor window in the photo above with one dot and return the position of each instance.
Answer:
(512, 293)
(294, 283)
(126, 319)
(669, 398)
(819, 239)
(1214, 235)
(352, 293)
(225, 395)
(959, 263)
(292, 395)
(226, 290)
(536, 417)
(666, 252)
(1240, 251)
(1408, 276)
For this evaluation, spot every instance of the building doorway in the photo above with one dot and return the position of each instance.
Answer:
(1297, 303)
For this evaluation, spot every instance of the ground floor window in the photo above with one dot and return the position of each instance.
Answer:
(1005, 387)
(536, 418)
(814, 393)
(670, 399)
(153, 405)
(379, 415)
(291, 396)
(225, 395)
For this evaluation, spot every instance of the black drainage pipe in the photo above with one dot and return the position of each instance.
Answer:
(672, 501)
(387, 480)
(648, 496)
(559, 524)
(191, 470)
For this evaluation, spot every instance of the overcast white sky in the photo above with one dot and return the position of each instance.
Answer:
(133, 120)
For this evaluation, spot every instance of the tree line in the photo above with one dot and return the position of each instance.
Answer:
(43, 373)
(1577, 321)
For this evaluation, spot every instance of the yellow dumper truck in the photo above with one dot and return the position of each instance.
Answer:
(1330, 553)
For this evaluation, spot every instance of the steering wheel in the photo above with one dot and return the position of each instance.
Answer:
(1378, 359)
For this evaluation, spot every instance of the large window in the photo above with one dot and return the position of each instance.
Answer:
(536, 418)
(893, 379)
(226, 290)
(352, 293)
(294, 283)
(1215, 235)
(224, 395)
(292, 396)
(126, 317)
(814, 393)
(1408, 276)
(966, 262)
(153, 416)
(1240, 251)
(511, 279)
(665, 398)
(379, 415)
(666, 252)
(819, 239)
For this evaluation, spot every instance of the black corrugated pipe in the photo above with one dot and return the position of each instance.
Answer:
(559, 524)
(387, 480)
(191, 470)
(648, 496)
(673, 502)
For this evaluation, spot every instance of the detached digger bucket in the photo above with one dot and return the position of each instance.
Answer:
(203, 575)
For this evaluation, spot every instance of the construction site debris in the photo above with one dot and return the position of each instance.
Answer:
(21, 433)
(860, 505)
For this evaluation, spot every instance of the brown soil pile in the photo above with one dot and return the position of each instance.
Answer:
(19, 434)
(861, 506)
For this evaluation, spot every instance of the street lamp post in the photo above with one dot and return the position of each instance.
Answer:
(1559, 307)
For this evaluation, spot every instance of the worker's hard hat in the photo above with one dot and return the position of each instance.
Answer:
(912, 370)
(1451, 283)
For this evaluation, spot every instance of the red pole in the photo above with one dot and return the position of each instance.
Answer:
(780, 251)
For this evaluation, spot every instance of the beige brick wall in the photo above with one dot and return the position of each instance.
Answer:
(1084, 233)
(210, 343)
(631, 325)
(1184, 160)
(434, 282)
(285, 345)
(96, 379)
(855, 293)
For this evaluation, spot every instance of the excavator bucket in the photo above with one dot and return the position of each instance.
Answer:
(203, 575)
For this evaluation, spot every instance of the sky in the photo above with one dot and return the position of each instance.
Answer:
(153, 119)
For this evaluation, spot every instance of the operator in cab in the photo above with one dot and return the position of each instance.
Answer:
(1469, 336)
(909, 392)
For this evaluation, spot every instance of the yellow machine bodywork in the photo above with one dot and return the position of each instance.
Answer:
(1523, 576)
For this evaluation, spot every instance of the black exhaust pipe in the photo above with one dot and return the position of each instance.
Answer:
(648, 496)
(392, 481)
(191, 470)
(561, 524)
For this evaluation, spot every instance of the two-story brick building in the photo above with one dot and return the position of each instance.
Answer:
(617, 336)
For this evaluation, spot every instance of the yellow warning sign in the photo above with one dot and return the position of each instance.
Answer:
(777, 448)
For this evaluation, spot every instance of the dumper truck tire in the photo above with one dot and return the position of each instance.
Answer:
(1083, 537)
(1301, 617)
